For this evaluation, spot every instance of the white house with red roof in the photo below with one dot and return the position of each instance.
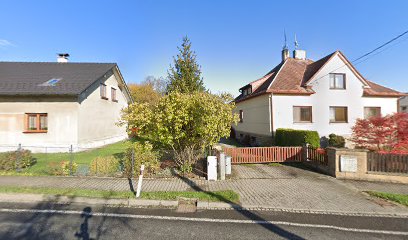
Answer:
(327, 96)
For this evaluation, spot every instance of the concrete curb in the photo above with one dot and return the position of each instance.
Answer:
(201, 205)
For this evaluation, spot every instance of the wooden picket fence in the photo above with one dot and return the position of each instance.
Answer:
(264, 154)
(317, 155)
(387, 163)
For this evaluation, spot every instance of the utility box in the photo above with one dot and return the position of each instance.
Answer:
(228, 165)
(212, 168)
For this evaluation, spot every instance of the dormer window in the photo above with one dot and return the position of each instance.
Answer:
(247, 91)
(337, 81)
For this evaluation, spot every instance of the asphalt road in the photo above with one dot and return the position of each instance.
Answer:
(50, 221)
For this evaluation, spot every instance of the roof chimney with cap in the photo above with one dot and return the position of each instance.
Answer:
(62, 57)
(297, 53)
(285, 54)
(285, 50)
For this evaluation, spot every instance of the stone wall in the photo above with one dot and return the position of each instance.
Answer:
(352, 164)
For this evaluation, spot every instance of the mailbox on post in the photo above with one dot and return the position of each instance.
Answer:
(228, 165)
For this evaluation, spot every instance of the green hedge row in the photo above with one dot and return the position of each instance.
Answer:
(293, 137)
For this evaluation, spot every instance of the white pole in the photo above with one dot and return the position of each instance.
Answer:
(139, 183)
(222, 166)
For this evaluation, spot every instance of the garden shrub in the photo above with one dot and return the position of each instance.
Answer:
(108, 165)
(336, 141)
(54, 168)
(143, 154)
(65, 168)
(293, 137)
(16, 160)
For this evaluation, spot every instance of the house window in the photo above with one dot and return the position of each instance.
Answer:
(372, 112)
(337, 81)
(338, 115)
(36, 122)
(103, 91)
(302, 114)
(241, 116)
(113, 95)
(247, 91)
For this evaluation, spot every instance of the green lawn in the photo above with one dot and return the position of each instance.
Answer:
(85, 157)
(399, 198)
(222, 196)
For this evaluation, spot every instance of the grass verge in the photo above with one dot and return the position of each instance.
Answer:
(275, 164)
(399, 198)
(222, 196)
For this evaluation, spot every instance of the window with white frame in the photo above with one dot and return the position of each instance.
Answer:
(338, 115)
(337, 81)
(302, 114)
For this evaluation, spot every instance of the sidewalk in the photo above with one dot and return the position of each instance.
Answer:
(286, 188)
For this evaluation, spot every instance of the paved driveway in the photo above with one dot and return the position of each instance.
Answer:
(265, 171)
(296, 188)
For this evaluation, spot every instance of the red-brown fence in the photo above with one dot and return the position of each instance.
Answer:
(386, 162)
(264, 154)
(317, 155)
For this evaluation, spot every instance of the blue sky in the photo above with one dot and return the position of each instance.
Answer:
(236, 41)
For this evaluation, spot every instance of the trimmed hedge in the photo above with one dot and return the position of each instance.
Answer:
(293, 137)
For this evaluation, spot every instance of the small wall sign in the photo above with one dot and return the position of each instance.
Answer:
(348, 163)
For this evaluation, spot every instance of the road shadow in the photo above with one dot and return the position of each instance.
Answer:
(304, 166)
(248, 214)
(132, 189)
(83, 233)
(37, 225)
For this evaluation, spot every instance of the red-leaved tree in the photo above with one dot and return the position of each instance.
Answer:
(389, 133)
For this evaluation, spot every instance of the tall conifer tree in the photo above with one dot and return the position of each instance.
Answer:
(185, 75)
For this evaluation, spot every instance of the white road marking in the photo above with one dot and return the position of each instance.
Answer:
(74, 212)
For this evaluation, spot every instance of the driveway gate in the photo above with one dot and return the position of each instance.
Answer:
(276, 154)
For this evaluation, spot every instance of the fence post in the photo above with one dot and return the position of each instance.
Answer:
(133, 163)
(305, 152)
(71, 159)
(18, 156)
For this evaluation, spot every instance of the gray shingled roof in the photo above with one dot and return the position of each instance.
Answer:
(25, 78)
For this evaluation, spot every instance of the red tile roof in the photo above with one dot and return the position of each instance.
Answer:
(381, 91)
(292, 76)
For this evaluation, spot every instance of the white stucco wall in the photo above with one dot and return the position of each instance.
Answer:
(84, 122)
(256, 116)
(62, 124)
(325, 97)
(98, 117)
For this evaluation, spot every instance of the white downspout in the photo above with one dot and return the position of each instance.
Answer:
(270, 114)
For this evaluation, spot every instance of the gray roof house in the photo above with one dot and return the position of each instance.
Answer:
(51, 106)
